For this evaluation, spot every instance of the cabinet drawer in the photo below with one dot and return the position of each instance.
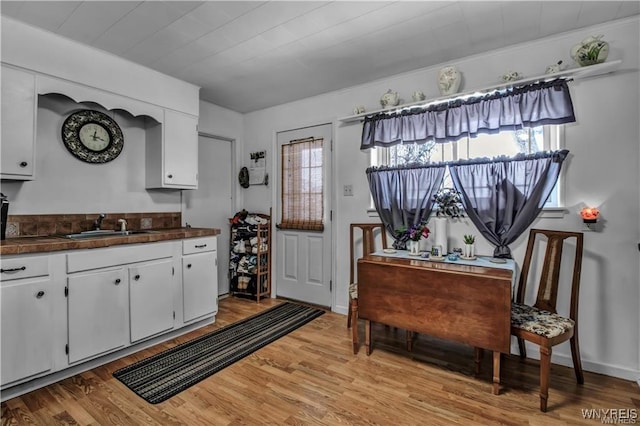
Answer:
(118, 255)
(199, 245)
(24, 267)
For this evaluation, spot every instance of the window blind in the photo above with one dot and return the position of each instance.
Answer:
(302, 185)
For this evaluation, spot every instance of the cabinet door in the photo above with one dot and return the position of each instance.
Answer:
(98, 313)
(200, 285)
(150, 299)
(18, 124)
(27, 327)
(180, 150)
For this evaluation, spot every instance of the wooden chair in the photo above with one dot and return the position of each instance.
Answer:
(368, 231)
(541, 323)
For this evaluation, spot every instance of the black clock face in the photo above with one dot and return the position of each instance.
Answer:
(92, 136)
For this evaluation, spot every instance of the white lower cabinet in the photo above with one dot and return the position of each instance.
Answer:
(98, 313)
(199, 278)
(117, 296)
(26, 328)
(94, 302)
(150, 299)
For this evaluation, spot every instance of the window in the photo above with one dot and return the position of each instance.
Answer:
(302, 185)
(527, 140)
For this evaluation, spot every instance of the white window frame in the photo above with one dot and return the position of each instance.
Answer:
(553, 140)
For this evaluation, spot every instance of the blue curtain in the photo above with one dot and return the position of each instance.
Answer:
(509, 109)
(502, 197)
(403, 196)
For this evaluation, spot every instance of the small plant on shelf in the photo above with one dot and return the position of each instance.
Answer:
(469, 239)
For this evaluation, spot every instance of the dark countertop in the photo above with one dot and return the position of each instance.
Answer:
(43, 244)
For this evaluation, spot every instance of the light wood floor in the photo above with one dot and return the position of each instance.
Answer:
(311, 377)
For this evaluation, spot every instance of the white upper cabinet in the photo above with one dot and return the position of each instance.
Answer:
(172, 152)
(19, 106)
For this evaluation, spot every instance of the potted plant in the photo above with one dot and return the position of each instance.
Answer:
(448, 203)
(469, 246)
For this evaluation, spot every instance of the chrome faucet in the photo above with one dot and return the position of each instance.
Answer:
(98, 222)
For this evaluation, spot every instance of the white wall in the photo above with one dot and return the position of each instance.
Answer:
(602, 170)
(64, 184)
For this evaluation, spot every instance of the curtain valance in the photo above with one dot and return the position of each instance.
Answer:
(508, 109)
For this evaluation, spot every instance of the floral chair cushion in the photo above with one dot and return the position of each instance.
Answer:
(538, 321)
(353, 290)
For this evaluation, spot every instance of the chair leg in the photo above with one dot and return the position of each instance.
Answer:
(577, 363)
(353, 311)
(522, 348)
(545, 372)
(349, 313)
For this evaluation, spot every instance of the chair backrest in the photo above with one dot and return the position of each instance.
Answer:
(368, 233)
(549, 277)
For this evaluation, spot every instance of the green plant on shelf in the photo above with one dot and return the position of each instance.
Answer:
(469, 239)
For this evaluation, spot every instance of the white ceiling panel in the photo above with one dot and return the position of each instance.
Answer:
(248, 55)
(167, 40)
(595, 12)
(43, 14)
(91, 19)
(141, 23)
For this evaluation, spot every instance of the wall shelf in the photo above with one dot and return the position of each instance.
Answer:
(574, 73)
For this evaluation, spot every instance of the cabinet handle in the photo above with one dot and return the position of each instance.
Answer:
(137, 277)
(24, 164)
(201, 245)
(170, 176)
(189, 266)
(117, 281)
(13, 269)
(39, 294)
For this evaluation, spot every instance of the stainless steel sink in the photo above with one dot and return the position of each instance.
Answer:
(104, 233)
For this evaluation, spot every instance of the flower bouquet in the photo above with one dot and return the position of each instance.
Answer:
(413, 234)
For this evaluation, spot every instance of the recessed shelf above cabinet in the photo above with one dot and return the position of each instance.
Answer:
(574, 73)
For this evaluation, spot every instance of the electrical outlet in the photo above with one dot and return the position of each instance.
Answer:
(348, 191)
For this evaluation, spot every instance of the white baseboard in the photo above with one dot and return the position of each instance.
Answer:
(339, 309)
(620, 372)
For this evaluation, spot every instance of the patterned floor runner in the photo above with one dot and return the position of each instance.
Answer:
(168, 373)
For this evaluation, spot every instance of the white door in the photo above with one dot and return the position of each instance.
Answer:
(211, 205)
(303, 258)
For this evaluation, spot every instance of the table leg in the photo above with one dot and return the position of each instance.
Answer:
(367, 336)
(496, 372)
(409, 340)
(479, 354)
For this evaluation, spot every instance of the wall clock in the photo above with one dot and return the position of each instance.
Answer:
(92, 136)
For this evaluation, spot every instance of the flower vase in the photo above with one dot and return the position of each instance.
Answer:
(413, 247)
(449, 79)
(469, 250)
(590, 51)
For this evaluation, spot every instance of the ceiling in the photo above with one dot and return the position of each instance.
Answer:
(249, 55)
